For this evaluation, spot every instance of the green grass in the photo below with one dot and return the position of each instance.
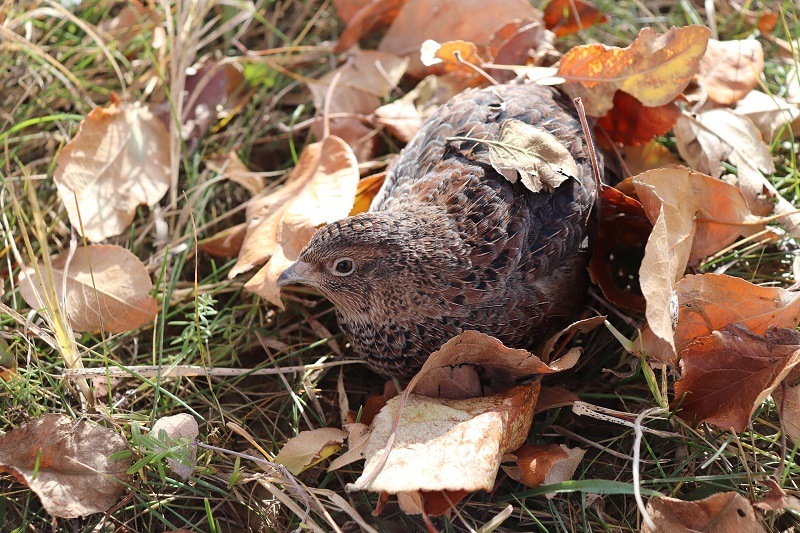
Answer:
(209, 321)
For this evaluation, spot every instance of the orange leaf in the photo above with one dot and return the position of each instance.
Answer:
(365, 19)
(565, 17)
(654, 68)
(630, 122)
(545, 465)
(366, 191)
(726, 375)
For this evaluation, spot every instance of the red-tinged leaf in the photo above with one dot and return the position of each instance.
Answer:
(726, 375)
(723, 512)
(226, 243)
(619, 247)
(545, 465)
(366, 18)
(631, 123)
(565, 17)
(654, 68)
(366, 191)
(788, 403)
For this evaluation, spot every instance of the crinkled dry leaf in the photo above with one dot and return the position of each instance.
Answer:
(530, 153)
(445, 20)
(446, 444)
(66, 463)
(619, 244)
(728, 374)
(545, 465)
(358, 436)
(722, 512)
(108, 289)
(118, 160)
(320, 190)
(631, 123)
(769, 113)
(363, 18)
(789, 409)
(309, 448)
(654, 68)
(474, 364)
(359, 90)
(565, 17)
(232, 168)
(730, 69)
(693, 216)
(405, 116)
(179, 428)
(717, 135)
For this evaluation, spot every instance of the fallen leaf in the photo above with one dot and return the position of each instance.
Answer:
(565, 17)
(769, 113)
(309, 448)
(444, 20)
(474, 364)
(730, 69)
(693, 215)
(728, 374)
(367, 190)
(724, 511)
(446, 444)
(654, 68)
(717, 135)
(226, 243)
(231, 167)
(320, 190)
(361, 85)
(788, 403)
(618, 250)
(553, 398)
(66, 463)
(521, 42)
(118, 160)
(451, 56)
(211, 91)
(631, 123)
(108, 289)
(545, 465)
(404, 117)
(527, 152)
(775, 500)
(648, 156)
(179, 430)
(358, 436)
(364, 17)
(133, 20)
(709, 302)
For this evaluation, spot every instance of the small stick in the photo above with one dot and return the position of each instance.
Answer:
(592, 152)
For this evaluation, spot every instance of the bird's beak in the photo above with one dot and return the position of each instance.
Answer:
(297, 274)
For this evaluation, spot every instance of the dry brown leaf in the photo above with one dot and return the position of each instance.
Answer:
(654, 68)
(522, 42)
(209, 90)
(716, 135)
(180, 429)
(133, 20)
(527, 152)
(769, 113)
(728, 374)
(118, 160)
(358, 436)
(320, 190)
(788, 404)
(232, 168)
(309, 448)
(709, 302)
(108, 289)
(66, 463)
(722, 512)
(544, 465)
(359, 90)
(775, 500)
(445, 20)
(631, 123)
(730, 69)
(565, 17)
(363, 17)
(648, 156)
(693, 215)
(347, 9)
(446, 444)
(226, 243)
(405, 116)
(474, 364)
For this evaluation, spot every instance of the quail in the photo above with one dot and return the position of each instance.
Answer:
(449, 244)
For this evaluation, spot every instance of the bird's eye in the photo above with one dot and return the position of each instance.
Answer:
(344, 266)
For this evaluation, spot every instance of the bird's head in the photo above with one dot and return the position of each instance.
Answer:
(370, 264)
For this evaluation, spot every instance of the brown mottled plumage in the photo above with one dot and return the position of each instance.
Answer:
(450, 245)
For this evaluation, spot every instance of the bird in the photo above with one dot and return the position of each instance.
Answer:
(449, 244)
